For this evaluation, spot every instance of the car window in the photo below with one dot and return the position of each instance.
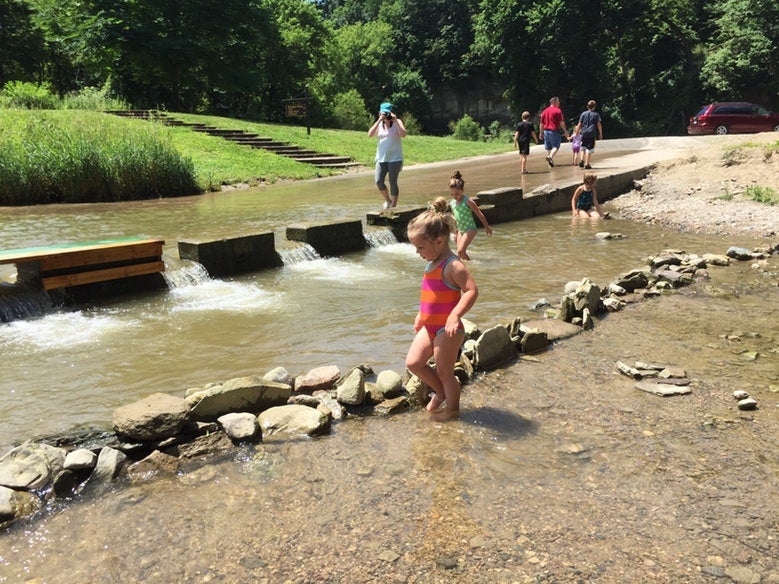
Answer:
(761, 111)
(702, 110)
(743, 110)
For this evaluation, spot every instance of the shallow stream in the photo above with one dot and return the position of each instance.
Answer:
(392, 499)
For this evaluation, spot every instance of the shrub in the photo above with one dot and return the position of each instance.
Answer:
(349, 111)
(412, 124)
(760, 194)
(25, 95)
(93, 98)
(466, 128)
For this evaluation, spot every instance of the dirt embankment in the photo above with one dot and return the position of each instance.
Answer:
(705, 189)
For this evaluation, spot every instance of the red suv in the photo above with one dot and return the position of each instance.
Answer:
(733, 117)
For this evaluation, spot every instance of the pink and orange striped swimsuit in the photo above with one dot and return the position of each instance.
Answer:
(437, 299)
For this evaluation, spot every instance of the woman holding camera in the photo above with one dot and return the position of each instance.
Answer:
(389, 153)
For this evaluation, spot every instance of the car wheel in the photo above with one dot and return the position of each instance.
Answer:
(776, 128)
(721, 130)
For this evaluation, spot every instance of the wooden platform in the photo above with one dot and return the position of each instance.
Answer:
(63, 266)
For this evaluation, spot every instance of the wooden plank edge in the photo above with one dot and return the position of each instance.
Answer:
(92, 277)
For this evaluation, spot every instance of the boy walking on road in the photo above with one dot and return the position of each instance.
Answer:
(591, 129)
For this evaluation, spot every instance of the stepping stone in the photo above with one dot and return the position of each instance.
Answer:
(674, 381)
(661, 389)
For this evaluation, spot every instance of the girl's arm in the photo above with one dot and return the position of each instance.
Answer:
(595, 199)
(417, 322)
(475, 208)
(575, 197)
(457, 272)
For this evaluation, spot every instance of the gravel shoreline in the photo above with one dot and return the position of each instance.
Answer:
(703, 189)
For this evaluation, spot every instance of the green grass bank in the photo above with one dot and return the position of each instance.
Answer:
(68, 156)
(71, 156)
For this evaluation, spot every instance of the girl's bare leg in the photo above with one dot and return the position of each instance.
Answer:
(463, 241)
(416, 360)
(445, 352)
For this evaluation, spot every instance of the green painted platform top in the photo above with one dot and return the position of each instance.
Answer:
(10, 256)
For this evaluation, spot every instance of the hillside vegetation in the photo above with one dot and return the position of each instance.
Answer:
(66, 156)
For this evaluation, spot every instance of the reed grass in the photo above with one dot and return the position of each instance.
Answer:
(55, 156)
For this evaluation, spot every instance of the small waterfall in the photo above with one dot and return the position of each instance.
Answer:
(180, 273)
(380, 237)
(18, 302)
(298, 254)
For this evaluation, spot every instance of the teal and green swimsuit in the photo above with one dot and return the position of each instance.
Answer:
(584, 202)
(463, 215)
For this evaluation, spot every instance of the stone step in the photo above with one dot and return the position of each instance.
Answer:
(338, 165)
(246, 138)
(272, 146)
(316, 161)
(294, 151)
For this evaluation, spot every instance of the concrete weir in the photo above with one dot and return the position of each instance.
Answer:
(231, 256)
(510, 204)
(226, 257)
(330, 239)
(235, 255)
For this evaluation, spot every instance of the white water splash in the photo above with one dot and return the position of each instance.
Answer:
(61, 330)
(380, 237)
(298, 254)
(185, 274)
(224, 296)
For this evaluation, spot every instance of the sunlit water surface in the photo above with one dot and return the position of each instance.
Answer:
(72, 368)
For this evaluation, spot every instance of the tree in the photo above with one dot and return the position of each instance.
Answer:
(21, 43)
(742, 55)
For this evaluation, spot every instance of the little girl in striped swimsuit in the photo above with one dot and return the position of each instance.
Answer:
(448, 292)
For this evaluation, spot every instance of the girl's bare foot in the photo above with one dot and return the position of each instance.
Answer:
(445, 415)
(434, 403)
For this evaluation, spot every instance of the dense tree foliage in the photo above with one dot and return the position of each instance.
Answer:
(648, 63)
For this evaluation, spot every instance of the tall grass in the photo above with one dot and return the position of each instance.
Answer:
(81, 156)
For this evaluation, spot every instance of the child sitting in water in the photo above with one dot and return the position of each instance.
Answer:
(585, 197)
(448, 292)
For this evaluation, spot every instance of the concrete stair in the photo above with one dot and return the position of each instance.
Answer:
(318, 159)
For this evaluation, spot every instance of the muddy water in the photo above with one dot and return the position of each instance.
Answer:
(559, 470)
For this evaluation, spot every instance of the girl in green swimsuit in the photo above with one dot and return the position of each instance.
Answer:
(463, 209)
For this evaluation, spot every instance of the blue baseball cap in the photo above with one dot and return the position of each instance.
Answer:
(385, 108)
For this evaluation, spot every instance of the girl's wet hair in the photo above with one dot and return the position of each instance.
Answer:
(436, 222)
(590, 178)
(457, 180)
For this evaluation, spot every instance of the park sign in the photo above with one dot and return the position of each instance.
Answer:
(295, 108)
(298, 108)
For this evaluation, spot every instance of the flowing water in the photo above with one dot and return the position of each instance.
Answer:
(245, 519)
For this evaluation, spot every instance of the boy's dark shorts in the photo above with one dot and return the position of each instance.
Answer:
(588, 143)
(524, 147)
